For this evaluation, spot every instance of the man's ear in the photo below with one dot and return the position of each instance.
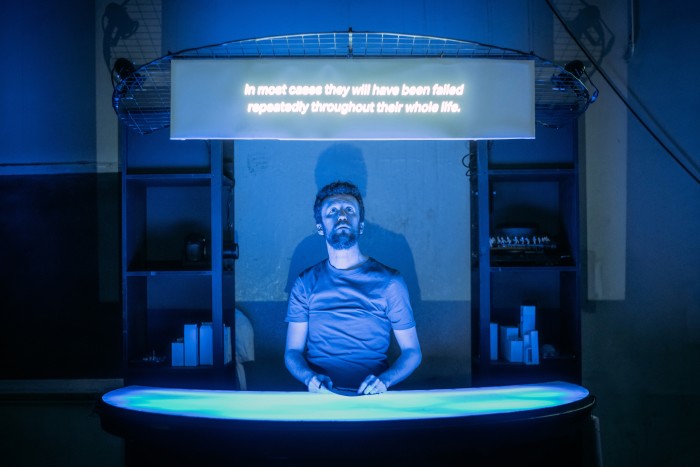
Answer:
(362, 227)
(319, 229)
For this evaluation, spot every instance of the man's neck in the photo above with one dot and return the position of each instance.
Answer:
(345, 259)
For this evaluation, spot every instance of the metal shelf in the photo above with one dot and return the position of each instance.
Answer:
(142, 99)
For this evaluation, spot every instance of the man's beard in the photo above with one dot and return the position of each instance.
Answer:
(343, 239)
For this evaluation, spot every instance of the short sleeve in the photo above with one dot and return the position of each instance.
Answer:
(399, 309)
(298, 304)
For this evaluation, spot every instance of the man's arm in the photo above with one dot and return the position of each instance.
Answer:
(402, 367)
(409, 359)
(296, 362)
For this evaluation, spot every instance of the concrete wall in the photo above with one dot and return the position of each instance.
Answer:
(641, 348)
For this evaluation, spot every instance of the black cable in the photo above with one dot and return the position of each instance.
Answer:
(470, 164)
(622, 98)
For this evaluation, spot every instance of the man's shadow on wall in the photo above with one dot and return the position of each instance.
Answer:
(345, 162)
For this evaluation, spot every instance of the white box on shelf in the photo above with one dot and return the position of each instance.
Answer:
(177, 353)
(228, 348)
(191, 344)
(514, 351)
(527, 352)
(509, 351)
(206, 344)
(531, 349)
(493, 327)
(527, 319)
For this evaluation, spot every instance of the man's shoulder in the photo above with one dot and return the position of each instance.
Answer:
(377, 265)
(314, 270)
(308, 278)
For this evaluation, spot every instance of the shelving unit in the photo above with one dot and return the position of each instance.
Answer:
(530, 189)
(151, 269)
(167, 198)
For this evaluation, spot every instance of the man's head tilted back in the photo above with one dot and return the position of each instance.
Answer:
(338, 188)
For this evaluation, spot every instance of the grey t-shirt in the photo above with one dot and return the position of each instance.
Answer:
(350, 315)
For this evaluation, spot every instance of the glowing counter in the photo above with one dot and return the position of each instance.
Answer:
(280, 424)
(307, 407)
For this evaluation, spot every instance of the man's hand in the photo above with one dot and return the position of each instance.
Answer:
(320, 383)
(372, 385)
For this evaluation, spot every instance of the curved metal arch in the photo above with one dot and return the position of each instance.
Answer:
(142, 99)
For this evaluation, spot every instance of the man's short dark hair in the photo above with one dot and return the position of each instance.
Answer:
(337, 188)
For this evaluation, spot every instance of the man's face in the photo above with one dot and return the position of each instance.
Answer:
(340, 217)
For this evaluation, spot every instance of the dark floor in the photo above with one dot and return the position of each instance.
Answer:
(55, 431)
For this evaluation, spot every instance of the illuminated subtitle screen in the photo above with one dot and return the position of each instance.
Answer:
(352, 99)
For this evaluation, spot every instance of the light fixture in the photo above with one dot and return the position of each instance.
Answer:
(564, 82)
(123, 68)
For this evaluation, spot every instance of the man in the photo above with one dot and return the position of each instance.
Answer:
(342, 310)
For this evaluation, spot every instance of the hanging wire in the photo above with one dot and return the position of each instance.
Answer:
(469, 161)
(624, 100)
